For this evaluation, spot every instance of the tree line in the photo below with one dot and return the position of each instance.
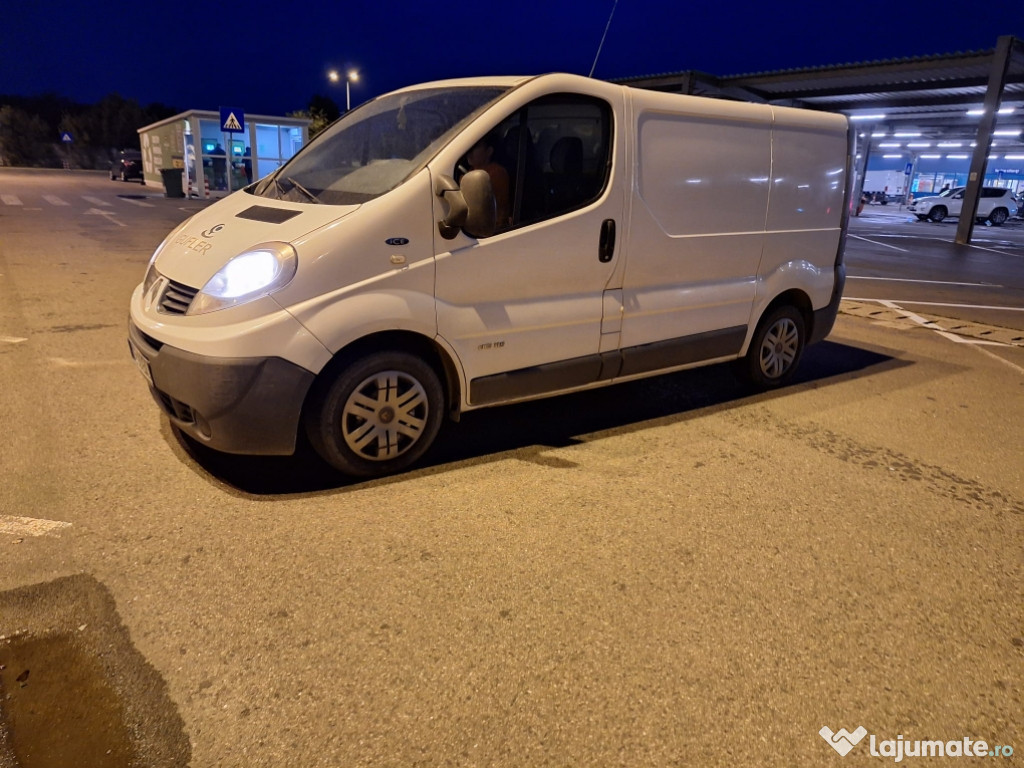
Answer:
(31, 128)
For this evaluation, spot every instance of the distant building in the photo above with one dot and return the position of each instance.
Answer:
(211, 158)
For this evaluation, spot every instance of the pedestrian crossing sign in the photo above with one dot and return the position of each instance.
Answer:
(232, 120)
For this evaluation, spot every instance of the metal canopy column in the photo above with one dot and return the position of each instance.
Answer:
(976, 177)
(864, 146)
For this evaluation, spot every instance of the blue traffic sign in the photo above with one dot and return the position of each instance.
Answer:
(66, 137)
(232, 120)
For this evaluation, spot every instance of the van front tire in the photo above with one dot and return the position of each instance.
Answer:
(776, 348)
(378, 416)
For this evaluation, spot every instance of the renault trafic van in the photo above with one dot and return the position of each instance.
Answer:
(477, 242)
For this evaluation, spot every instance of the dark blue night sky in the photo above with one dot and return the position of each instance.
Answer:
(270, 58)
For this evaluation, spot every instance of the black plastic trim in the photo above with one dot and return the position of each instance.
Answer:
(825, 317)
(245, 405)
(580, 371)
(266, 214)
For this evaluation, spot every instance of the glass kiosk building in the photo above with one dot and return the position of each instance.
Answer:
(214, 160)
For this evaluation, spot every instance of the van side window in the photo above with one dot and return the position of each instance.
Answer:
(557, 151)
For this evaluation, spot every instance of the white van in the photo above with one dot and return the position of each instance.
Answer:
(377, 282)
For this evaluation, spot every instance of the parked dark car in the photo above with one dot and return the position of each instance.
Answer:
(127, 166)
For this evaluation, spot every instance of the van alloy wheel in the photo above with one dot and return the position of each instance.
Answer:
(776, 348)
(779, 348)
(384, 416)
(379, 415)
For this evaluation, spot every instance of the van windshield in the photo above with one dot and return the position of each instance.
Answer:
(376, 147)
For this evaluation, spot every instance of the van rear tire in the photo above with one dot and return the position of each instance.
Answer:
(776, 348)
(378, 416)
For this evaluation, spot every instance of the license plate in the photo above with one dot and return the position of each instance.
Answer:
(141, 363)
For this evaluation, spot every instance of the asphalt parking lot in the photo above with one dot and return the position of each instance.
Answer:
(671, 572)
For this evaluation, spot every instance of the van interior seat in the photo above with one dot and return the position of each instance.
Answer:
(565, 183)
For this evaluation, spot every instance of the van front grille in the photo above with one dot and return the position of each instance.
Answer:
(177, 298)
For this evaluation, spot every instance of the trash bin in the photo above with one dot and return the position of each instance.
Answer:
(172, 182)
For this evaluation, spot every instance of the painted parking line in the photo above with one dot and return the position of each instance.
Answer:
(884, 245)
(11, 199)
(961, 306)
(999, 359)
(95, 200)
(991, 250)
(928, 282)
(29, 526)
(54, 200)
(931, 325)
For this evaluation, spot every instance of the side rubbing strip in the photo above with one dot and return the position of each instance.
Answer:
(631, 361)
(268, 215)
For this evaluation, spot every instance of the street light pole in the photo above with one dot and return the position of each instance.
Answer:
(351, 76)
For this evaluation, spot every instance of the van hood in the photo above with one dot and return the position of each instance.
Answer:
(196, 250)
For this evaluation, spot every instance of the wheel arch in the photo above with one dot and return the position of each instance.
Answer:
(794, 297)
(401, 341)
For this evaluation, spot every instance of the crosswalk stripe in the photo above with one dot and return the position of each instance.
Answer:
(54, 200)
(29, 526)
(11, 199)
(141, 203)
(95, 200)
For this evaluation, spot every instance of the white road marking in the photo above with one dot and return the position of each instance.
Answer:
(962, 306)
(884, 245)
(95, 200)
(11, 339)
(937, 304)
(29, 526)
(109, 215)
(63, 362)
(11, 199)
(54, 200)
(929, 282)
(1001, 360)
(932, 326)
(142, 203)
(990, 250)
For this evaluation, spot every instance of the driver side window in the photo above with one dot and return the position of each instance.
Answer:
(547, 159)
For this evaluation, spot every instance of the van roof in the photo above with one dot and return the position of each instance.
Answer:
(508, 81)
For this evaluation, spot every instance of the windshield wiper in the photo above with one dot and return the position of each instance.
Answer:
(302, 189)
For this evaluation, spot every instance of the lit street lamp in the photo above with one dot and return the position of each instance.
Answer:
(352, 76)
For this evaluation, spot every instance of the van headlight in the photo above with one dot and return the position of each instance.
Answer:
(257, 272)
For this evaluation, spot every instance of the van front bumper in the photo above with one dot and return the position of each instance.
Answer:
(245, 405)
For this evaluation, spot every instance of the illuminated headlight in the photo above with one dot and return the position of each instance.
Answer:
(249, 275)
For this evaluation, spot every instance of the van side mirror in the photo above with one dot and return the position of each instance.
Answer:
(472, 206)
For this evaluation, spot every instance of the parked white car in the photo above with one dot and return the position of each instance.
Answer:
(995, 205)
